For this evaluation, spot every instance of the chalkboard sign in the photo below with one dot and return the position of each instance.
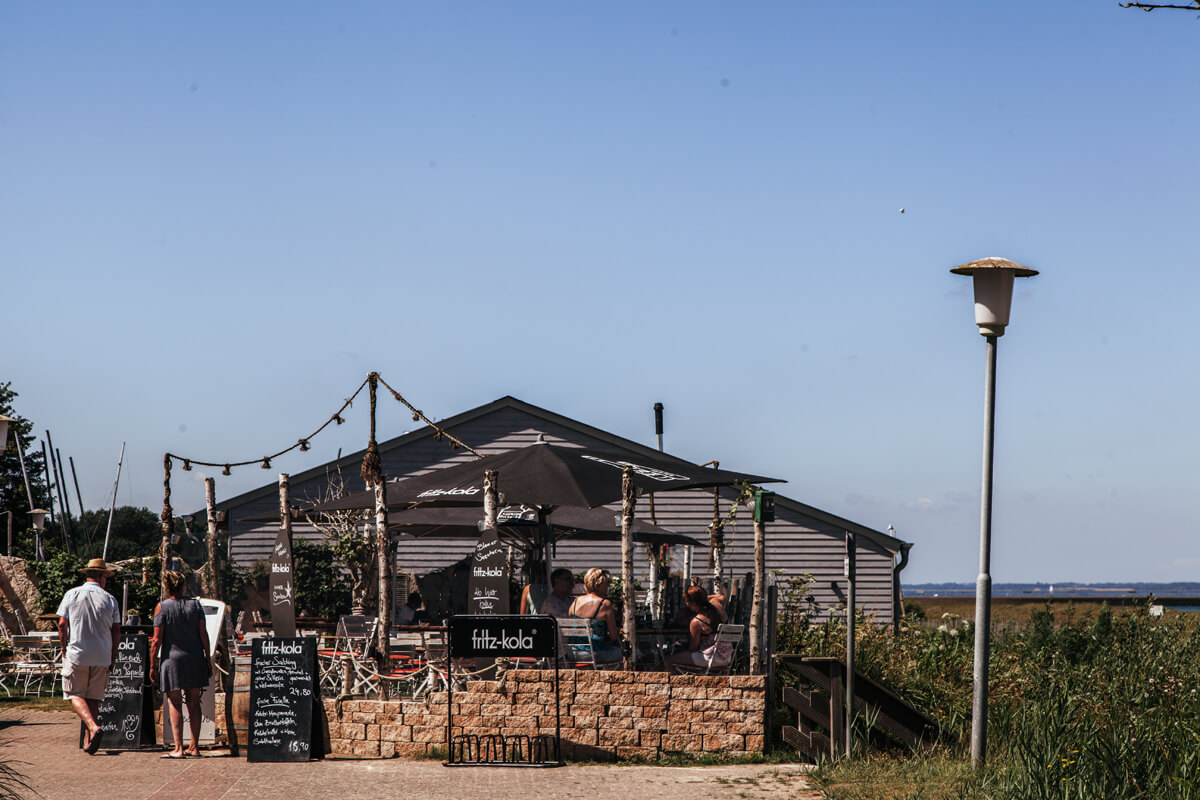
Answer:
(487, 587)
(283, 679)
(120, 714)
(283, 595)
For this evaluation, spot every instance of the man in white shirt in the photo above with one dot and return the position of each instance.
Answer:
(89, 630)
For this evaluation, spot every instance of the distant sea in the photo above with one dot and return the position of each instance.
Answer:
(1123, 591)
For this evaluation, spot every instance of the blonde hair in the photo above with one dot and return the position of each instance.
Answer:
(174, 582)
(594, 577)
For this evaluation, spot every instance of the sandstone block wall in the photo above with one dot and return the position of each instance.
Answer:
(605, 715)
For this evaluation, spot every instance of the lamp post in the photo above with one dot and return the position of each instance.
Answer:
(39, 521)
(993, 279)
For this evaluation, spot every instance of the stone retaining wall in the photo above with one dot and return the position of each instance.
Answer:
(605, 715)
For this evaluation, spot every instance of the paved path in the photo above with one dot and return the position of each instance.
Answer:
(46, 741)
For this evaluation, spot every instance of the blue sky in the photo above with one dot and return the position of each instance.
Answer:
(216, 219)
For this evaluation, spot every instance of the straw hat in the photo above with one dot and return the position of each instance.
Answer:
(97, 565)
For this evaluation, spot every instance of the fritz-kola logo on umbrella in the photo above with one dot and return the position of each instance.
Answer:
(646, 472)
(449, 492)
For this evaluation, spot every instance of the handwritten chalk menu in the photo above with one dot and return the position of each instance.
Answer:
(120, 714)
(283, 676)
(283, 597)
(487, 587)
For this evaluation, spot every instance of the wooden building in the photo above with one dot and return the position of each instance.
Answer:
(802, 540)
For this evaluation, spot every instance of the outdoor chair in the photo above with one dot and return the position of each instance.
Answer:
(355, 633)
(726, 640)
(575, 635)
(35, 663)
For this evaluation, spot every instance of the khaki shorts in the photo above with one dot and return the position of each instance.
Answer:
(86, 682)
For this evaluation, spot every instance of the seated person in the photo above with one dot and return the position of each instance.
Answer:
(702, 630)
(410, 613)
(718, 602)
(555, 603)
(594, 606)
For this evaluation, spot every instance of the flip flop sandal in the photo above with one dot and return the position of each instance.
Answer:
(93, 744)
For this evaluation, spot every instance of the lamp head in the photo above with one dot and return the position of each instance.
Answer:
(39, 518)
(4, 430)
(993, 279)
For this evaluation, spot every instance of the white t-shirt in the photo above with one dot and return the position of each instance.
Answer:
(91, 612)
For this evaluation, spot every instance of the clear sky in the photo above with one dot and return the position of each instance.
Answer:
(216, 218)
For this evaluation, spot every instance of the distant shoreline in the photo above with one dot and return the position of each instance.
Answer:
(1117, 592)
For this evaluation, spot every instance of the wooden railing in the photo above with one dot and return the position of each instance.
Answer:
(884, 719)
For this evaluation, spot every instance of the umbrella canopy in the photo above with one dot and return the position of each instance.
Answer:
(458, 522)
(591, 524)
(544, 474)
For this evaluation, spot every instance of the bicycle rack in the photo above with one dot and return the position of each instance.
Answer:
(494, 749)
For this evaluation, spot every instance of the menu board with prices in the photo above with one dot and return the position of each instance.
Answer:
(120, 716)
(283, 682)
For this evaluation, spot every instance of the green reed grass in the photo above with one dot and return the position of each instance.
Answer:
(1099, 706)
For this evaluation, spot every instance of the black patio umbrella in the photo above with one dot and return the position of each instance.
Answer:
(579, 524)
(545, 474)
(460, 522)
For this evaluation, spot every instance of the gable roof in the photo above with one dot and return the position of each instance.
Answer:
(353, 460)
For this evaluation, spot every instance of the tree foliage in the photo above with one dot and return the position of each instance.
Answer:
(12, 483)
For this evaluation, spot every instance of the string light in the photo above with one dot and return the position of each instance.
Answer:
(304, 444)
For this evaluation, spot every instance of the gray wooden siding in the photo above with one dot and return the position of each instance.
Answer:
(797, 542)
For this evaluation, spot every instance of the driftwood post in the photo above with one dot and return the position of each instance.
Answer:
(716, 541)
(628, 501)
(213, 571)
(214, 589)
(167, 518)
(491, 498)
(383, 553)
(756, 605)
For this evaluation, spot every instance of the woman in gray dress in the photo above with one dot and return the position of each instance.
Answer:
(179, 659)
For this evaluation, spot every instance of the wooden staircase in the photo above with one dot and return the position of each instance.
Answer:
(820, 706)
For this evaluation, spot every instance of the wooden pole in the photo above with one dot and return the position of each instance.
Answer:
(167, 519)
(756, 605)
(383, 553)
(628, 501)
(491, 498)
(213, 587)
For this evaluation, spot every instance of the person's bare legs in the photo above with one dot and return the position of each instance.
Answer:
(192, 698)
(87, 710)
(175, 701)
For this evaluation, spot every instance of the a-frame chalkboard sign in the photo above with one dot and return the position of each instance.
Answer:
(283, 687)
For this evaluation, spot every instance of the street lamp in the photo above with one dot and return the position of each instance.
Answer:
(993, 300)
(39, 522)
